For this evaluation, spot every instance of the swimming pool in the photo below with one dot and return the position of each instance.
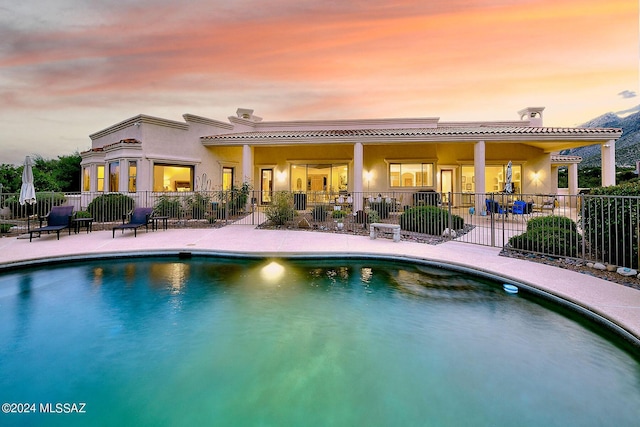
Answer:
(210, 341)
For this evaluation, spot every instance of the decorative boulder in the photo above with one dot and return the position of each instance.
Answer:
(624, 271)
(449, 233)
(599, 266)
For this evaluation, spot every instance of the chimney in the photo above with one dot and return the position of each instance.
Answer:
(533, 115)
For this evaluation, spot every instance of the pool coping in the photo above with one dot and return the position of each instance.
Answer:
(612, 305)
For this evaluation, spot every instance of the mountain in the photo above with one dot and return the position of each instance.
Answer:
(627, 147)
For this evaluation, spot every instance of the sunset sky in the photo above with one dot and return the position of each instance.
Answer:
(69, 68)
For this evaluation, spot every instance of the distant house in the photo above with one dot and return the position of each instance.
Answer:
(146, 153)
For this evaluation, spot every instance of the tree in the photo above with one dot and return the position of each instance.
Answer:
(61, 174)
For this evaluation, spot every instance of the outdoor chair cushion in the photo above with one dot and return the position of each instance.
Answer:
(141, 217)
(57, 219)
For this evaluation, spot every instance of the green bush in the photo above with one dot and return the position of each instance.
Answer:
(44, 202)
(110, 207)
(83, 214)
(338, 214)
(382, 208)
(610, 224)
(281, 208)
(549, 240)
(198, 205)
(319, 213)
(552, 221)
(4, 228)
(168, 206)
(429, 220)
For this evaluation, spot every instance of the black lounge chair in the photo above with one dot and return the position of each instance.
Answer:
(57, 219)
(141, 217)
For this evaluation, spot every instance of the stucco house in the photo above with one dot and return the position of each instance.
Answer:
(146, 153)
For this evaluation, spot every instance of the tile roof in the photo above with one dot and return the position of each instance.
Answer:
(417, 132)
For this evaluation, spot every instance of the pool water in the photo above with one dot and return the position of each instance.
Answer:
(210, 341)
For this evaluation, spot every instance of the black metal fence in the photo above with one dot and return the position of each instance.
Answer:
(595, 228)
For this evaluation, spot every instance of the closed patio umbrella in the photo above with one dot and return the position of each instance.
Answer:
(508, 186)
(27, 191)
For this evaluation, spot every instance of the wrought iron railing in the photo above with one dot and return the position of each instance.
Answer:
(594, 228)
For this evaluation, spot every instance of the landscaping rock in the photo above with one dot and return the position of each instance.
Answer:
(611, 267)
(449, 233)
(627, 272)
(599, 266)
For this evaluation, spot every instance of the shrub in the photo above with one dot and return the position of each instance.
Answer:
(168, 206)
(281, 208)
(552, 221)
(83, 214)
(110, 207)
(339, 214)
(549, 240)
(198, 204)
(610, 224)
(382, 208)
(44, 202)
(372, 216)
(429, 220)
(319, 212)
(4, 228)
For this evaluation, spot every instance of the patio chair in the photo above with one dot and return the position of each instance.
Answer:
(521, 207)
(494, 207)
(58, 218)
(141, 217)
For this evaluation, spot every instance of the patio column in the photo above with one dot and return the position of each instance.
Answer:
(554, 180)
(247, 171)
(358, 160)
(478, 172)
(247, 164)
(608, 150)
(573, 184)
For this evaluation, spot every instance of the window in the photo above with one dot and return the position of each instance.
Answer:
(133, 172)
(100, 178)
(172, 178)
(114, 176)
(494, 178)
(86, 179)
(227, 178)
(411, 174)
(266, 185)
(318, 178)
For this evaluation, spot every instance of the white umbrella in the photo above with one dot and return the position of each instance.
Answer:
(508, 186)
(27, 191)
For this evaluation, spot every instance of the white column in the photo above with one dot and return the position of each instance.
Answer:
(247, 171)
(553, 184)
(573, 184)
(573, 179)
(247, 164)
(358, 160)
(478, 172)
(608, 163)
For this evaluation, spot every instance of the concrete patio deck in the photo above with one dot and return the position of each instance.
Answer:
(618, 305)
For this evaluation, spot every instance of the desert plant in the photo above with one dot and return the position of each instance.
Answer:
(168, 206)
(429, 220)
(281, 208)
(382, 208)
(610, 224)
(198, 204)
(338, 214)
(110, 207)
(4, 228)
